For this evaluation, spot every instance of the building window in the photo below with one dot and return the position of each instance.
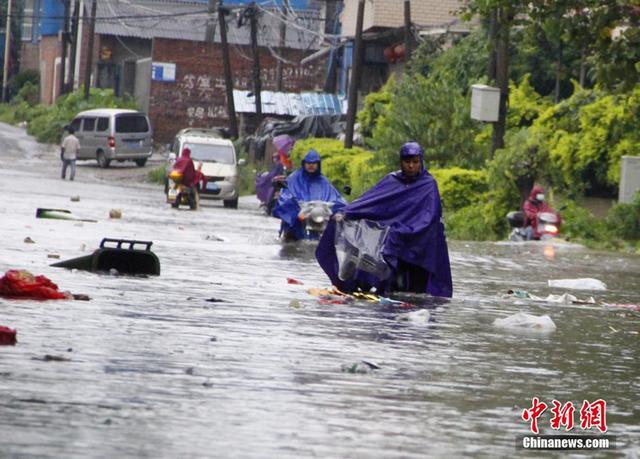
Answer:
(28, 20)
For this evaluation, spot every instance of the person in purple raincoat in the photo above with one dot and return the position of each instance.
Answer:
(415, 249)
(306, 184)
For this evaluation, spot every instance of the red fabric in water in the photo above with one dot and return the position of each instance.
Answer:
(22, 284)
(7, 336)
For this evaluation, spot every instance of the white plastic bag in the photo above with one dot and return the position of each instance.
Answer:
(526, 322)
(586, 283)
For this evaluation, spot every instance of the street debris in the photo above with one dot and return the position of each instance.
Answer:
(528, 322)
(586, 283)
(59, 214)
(335, 296)
(22, 284)
(53, 255)
(631, 307)
(361, 367)
(419, 317)
(28, 240)
(115, 213)
(7, 336)
(565, 298)
(291, 280)
(74, 198)
(118, 259)
(212, 237)
(52, 358)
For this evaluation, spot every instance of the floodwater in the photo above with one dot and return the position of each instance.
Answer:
(159, 369)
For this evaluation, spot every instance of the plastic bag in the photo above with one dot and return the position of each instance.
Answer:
(359, 245)
(23, 284)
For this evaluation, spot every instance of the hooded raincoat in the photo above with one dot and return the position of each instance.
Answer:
(415, 248)
(302, 187)
(532, 207)
(185, 165)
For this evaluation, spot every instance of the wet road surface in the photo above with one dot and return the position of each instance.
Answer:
(157, 368)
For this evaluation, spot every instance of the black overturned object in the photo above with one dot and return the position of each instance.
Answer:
(127, 260)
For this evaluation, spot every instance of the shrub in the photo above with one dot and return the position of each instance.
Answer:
(460, 187)
(623, 220)
(342, 166)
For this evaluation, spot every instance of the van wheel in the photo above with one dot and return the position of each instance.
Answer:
(141, 162)
(102, 160)
(231, 203)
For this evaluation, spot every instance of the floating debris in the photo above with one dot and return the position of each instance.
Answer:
(523, 321)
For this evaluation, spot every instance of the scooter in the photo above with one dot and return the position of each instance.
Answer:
(548, 225)
(180, 194)
(278, 183)
(315, 216)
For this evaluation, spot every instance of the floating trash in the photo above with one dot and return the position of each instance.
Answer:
(528, 322)
(586, 283)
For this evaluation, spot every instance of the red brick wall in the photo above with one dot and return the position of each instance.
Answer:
(49, 50)
(197, 97)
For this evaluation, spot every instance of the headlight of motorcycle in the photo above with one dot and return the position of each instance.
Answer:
(552, 229)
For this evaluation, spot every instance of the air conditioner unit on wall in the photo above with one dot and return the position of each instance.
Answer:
(485, 103)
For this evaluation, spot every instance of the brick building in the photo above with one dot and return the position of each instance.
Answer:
(130, 37)
(383, 34)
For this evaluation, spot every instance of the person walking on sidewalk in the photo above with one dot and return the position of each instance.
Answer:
(70, 146)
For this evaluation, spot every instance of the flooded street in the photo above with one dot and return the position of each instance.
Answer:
(220, 357)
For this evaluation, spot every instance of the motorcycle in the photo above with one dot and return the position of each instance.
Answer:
(278, 183)
(180, 194)
(315, 216)
(548, 224)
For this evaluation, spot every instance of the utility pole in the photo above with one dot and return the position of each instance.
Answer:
(283, 42)
(7, 52)
(210, 33)
(89, 67)
(257, 84)
(65, 41)
(74, 41)
(407, 31)
(228, 82)
(355, 77)
(502, 78)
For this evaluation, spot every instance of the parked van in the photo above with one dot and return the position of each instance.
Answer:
(108, 134)
(219, 162)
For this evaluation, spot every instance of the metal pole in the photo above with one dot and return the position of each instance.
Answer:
(88, 68)
(228, 81)
(355, 77)
(210, 32)
(7, 52)
(257, 84)
(65, 41)
(407, 31)
(283, 42)
(73, 40)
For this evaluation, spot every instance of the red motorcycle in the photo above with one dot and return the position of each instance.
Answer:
(548, 224)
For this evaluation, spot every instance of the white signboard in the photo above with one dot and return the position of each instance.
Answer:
(163, 71)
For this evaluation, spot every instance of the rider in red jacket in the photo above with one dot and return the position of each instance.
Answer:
(532, 207)
(185, 165)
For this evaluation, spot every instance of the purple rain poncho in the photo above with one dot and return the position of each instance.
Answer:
(303, 186)
(264, 183)
(411, 208)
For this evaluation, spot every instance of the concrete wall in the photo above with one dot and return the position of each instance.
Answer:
(197, 97)
(629, 178)
(390, 13)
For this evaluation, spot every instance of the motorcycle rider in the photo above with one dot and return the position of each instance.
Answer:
(534, 205)
(190, 177)
(415, 249)
(305, 184)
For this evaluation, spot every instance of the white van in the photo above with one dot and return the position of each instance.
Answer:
(219, 162)
(108, 134)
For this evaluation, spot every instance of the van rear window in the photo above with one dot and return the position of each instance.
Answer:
(131, 123)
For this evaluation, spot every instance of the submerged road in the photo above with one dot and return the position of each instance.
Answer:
(220, 357)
